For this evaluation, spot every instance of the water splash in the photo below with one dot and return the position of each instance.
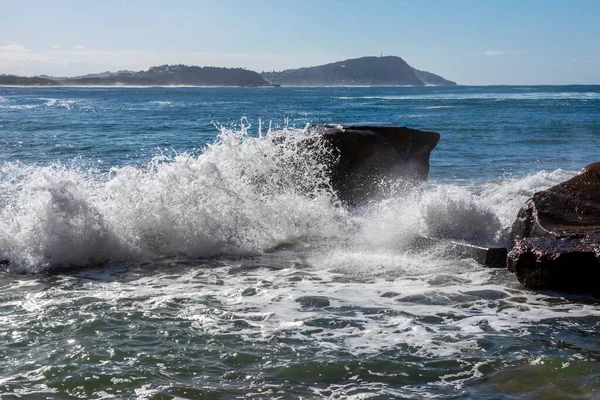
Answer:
(243, 195)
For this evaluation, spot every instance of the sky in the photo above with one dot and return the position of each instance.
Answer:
(483, 42)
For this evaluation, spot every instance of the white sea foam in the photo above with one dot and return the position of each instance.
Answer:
(68, 104)
(411, 116)
(242, 195)
(49, 102)
(434, 315)
(20, 107)
(424, 322)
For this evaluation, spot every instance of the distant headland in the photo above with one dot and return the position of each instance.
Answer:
(364, 71)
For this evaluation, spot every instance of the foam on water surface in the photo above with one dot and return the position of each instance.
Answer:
(253, 321)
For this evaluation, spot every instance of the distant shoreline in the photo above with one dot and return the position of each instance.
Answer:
(364, 71)
(285, 86)
(135, 86)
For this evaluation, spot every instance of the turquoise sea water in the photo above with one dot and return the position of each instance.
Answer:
(192, 281)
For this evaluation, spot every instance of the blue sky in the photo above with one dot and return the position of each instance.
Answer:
(472, 42)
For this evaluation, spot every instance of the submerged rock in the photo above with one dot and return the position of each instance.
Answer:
(493, 257)
(367, 155)
(556, 236)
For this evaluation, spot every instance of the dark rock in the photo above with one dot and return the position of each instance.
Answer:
(366, 155)
(249, 292)
(571, 208)
(556, 236)
(487, 294)
(313, 301)
(493, 257)
(562, 264)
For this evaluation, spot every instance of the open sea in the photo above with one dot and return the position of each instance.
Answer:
(201, 269)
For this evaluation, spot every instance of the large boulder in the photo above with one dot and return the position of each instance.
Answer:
(571, 208)
(556, 236)
(368, 156)
(570, 264)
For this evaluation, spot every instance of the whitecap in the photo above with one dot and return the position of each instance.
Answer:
(49, 102)
(485, 96)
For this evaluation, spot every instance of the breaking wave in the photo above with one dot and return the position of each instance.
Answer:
(242, 196)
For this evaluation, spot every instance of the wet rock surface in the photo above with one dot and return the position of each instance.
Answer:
(567, 209)
(367, 155)
(562, 264)
(556, 236)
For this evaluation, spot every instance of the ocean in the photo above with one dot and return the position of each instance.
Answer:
(202, 268)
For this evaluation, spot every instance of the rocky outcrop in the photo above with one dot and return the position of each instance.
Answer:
(365, 156)
(556, 236)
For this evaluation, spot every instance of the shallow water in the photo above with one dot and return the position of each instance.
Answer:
(272, 326)
(216, 263)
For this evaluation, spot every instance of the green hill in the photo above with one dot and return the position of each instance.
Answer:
(166, 75)
(13, 80)
(364, 71)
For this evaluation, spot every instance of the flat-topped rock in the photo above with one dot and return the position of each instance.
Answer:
(366, 155)
(556, 236)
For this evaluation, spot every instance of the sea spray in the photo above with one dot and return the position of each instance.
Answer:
(383, 240)
(454, 213)
(49, 218)
(242, 196)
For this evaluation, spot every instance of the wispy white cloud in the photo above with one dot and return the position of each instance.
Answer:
(494, 53)
(14, 48)
(79, 47)
(56, 47)
(583, 62)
